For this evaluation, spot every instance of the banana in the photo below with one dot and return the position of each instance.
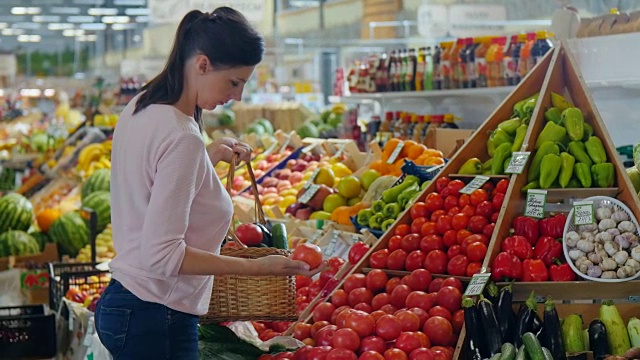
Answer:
(105, 161)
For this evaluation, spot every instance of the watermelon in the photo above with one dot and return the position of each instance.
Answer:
(100, 180)
(18, 243)
(100, 202)
(308, 130)
(227, 118)
(70, 232)
(41, 237)
(17, 213)
(266, 124)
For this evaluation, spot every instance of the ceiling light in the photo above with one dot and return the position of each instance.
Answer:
(102, 11)
(30, 92)
(137, 11)
(142, 19)
(115, 19)
(25, 10)
(89, 2)
(70, 33)
(49, 92)
(3, 25)
(85, 38)
(12, 32)
(26, 25)
(45, 18)
(119, 27)
(65, 10)
(81, 19)
(60, 26)
(129, 2)
(29, 38)
(93, 26)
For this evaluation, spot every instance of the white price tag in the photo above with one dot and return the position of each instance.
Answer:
(71, 319)
(477, 284)
(536, 201)
(475, 184)
(309, 148)
(340, 150)
(313, 177)
(583, 213)
(328, 251)
(316, 236)
(308, 195)
(88, 336)
(395, 153)
(518, 162)
(285, 144)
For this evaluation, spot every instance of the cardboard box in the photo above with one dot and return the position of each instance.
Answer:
(447, 140)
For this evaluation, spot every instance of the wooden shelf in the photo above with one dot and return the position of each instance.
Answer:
(465, 178)
(503, 90)
(577, 290)
(399, 273)
(560, 195)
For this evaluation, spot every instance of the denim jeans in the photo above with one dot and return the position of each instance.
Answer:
(134, 329)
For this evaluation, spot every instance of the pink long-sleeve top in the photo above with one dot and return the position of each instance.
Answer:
(165, 196)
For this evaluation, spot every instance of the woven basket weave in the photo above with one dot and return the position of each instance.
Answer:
(258, 298)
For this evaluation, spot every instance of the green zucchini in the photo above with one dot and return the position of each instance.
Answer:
(522, 354)
(532, 346)
(585, 339)
(572, 337)
(633, 328)
(547, 354)
(616, 330)
(279, 236)
(508, 352)
(496, 357)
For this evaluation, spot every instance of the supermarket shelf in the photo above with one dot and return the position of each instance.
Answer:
(503, 90)
(577, 290)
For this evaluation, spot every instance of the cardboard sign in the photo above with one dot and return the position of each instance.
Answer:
(477, 284)
(536, 201)
(395, 153)
(475, 184)
(308, 195)
(518, 162)
(583, 213)
(314, 175)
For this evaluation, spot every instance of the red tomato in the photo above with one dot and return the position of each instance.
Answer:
(442, 183)
(495, 216)
(267, 335)
(319, 353)
(436, 215)
(323, 312)
(327, 275)
(457, 321)
(449, 238)
(419, 280)
(447, 192)
(416, 225)
(339, 298)
(473, 268)
(440, 311)
(250, 234)
(407, 342)
(450, 298)
(469, 210)
(434, 202)
(361, 295)
(354, 281)
(497, 201)
(459, 221)
(473, 239)
(341, 354)
(346, 339)
(302, 292)
(484, 209)
(362, 323)
(399, 296)
(396, 260)
(280, 326)
(501, 186)
(364, 307)
(266, 357)
(420, 299)
(378, 260)
(378, 313)
(315, 327)
(450, 201)
(443, 224)
(371, 355)
(439, 330)
(422, 314)
(431, 242)
(324, 337)
(303, 352)
(415, 260)
(309, 253)
(402, 230)
(389, 309)
(488, 230)
(436, 262)
(463, 200)
(411, 242)
(376, 280)
(336, 262)
(302, 331)
(338, 311)
(392, 283)
(478, 196)
(358, 251)
(302, 307)
(380, 300)
(287, 355)
(302, 281)
(418, 210)
(372, 343)
(451, 281)
(454, 210)
(422, 353)
(456, 186)
(342, 317)
(394, 243)
(476, 251)
(441, 355)
(453, 251)
(458, 265)
(410, 321)
(477, 224)
(435, 285)
(388, 327)
(395, 354)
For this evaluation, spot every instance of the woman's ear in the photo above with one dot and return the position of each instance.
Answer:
(202, 64)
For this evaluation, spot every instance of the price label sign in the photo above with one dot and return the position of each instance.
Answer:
(475, 184)
(308, 195)
(340, 150)
(313, 177)
(329, 250)
(395, 153)
(583, 213)
(285, 144)
(477, 284)
(536, 201)
(518, 162)
(309, 148)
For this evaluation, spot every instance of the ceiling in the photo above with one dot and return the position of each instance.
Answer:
(52, 25)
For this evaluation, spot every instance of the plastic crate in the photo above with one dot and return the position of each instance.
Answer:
(83, 276)
(27, 332)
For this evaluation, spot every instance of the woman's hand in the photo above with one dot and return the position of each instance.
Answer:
(223, 149)
(278, 265)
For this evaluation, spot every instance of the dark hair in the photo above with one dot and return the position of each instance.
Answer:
(224, 36)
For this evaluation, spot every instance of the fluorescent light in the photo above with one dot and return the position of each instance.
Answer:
(60, 26)
(65, 10)
(81, 19)
(89, 2)
(142, 19)
(119, 27)
(93, 26)
(12, 32)
(29, 38)
(129, 2)
(3, 25)
(49, 92)
(26, 25)
(102, 11)
(45, 18)
(30, 92)
(18, 10)
(86, 38)
(71, 33)
(115, 19)
(136, 11)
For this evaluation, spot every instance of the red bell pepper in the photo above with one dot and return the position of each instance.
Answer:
(518, 246)
(553, 226)
(506, 266)
(534, 270)
(527, 227)
(547, 249)
(561, 272)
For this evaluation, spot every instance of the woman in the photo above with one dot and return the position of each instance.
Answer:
(169, 210)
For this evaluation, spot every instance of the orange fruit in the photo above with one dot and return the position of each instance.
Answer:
(416, 151)
(46, 217)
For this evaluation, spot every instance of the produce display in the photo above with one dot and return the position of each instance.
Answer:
(261, 164)
(94, 157)
(104, 248)
(87, 292)
(325, 125)
(391, 162)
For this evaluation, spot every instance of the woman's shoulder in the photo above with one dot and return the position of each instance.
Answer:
(162, 117)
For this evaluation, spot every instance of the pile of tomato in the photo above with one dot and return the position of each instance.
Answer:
(449, 232)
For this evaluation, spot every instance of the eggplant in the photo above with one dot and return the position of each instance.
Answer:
(267, 239)
(553, 331)
(492, 337)
(506, 316)
(524, 321)
(491, 293)
(473, 330)
(598, 342)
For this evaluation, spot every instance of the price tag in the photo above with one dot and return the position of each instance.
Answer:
(583, 213)
(88, 336)
(536, 200)
(285, 144)
(316, 236)
(475, 184)
(477, 284)
(71, 319)
(340, 150)
(518, 162)
(309, 148)
(395, 153)
(314, 175)
(308, 195)
(328, 251)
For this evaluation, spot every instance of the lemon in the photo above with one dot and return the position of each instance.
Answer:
(349, 187)
(341, 170)
(286, 201)
(368, 177)
(320, 215)
(354, 201)
(325, 177)
(333, 202)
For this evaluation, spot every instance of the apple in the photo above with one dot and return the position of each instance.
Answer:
(283, 174)
(286, 153)
(301, 165)
(304, 214)
(269, 182)
(318, 198)
(258, 173)
(270, 190)
(291, 163)
(262, 165)
(296, 177)
(283, 185)
(293, 208)
(238, 183)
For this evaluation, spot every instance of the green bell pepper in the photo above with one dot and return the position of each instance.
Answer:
(574, 184)
(472, 166)
(577, 149)
(407, 194)
(391, 195)
(528, 108)
(521, 132)
(497, 138)
(376, 220)
(574, 123)
(486, 166)
(595, 149)
(378, 206)
(391, 211)
(547, 147)
(502, 153)
(518, 108)
(549, 170)
(583, 173)
(553, 114)
(604, 174)
(588, 132)
(551, 132)
(387, 224)
(425, 185)
(364, 216)
(510, 126)
(535, 184)
(566, 171)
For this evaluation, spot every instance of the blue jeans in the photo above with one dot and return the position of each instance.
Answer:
(134, 329)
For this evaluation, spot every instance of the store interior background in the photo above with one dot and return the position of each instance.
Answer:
(307, 40)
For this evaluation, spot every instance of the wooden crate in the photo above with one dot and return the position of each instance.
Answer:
(49, 254)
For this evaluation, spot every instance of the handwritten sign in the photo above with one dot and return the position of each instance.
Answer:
(313, 177)
(583, 213)
(395, 153)
(518, 162)
(475, 184)
(477, 284)
(308, 195)
(536, 200)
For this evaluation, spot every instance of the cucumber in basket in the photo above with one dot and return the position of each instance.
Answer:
(279, 236)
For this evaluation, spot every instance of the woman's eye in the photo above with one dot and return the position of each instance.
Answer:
(234, 83)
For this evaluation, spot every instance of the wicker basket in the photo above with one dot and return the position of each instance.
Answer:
(258, 298)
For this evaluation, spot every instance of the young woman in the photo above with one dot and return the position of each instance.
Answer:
(170, 212)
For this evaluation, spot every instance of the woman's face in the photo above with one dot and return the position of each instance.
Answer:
(218, 86)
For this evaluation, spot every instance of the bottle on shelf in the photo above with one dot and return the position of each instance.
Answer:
(470, 55)
(384, 132)
(445, 64)
(437, 68)
(373, 128)
(401, 131)
(526, 61)
(514, 65)
(404, 68)
(509, 61)
(456, 82)
(436, 121)
(420, 68)
(410, 76)
(382, 75)
(412, 126)
(494, 63)
(427, 80)
(449, 122)
(480, 66)
(541, 46)
(417, 130)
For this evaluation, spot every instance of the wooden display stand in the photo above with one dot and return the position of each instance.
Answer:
(49, 254)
